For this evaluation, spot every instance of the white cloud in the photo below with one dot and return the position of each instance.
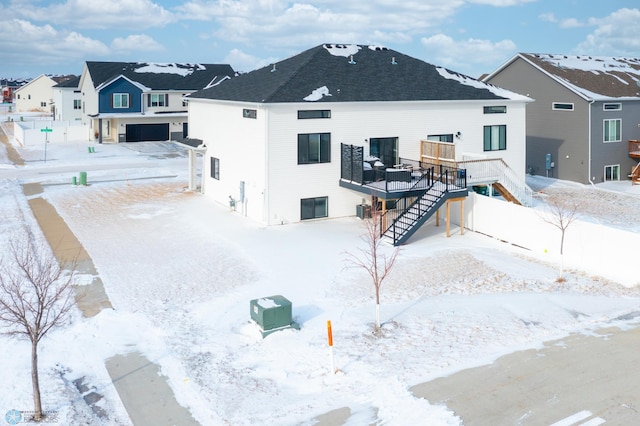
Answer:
(501, 3)
(616, 34)
(466, 54)
(564, 23)
(138, 42)
(25, 43)
(245, 62)
(96, 15)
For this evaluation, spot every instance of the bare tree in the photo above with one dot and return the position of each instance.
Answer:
(560, 212)
(35, 297)
(373, 258)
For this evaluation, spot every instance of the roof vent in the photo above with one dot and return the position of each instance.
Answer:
(351, 61)
(274, 68)
(393, 61)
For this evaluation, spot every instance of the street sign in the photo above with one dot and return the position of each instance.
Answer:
(46, 130)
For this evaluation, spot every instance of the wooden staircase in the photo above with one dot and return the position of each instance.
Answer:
(635, 175)
(505, 194)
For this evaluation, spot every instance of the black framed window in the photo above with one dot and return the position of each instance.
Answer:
(441, 138)
(215, 168)
(314, 113)
(314, 148)
(562, 106)
(495, 138)
(313, 208)
(499, 109)
(249, 113)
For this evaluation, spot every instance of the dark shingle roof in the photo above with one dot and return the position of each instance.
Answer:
(592, 75)
(349, 73)
(160, 76)
(72, 81)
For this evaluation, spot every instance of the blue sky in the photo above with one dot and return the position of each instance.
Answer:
(468, 36)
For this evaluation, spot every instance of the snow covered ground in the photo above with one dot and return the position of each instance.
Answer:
(181, 270)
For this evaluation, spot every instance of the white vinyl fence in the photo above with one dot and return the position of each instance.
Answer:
(33, 132)
(593, 248)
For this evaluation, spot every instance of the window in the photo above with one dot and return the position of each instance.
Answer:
(314, 113)
(314, 148)
(158, 100)
(612, 130)
(612, 172)
(562, 106)
(215, 168)
(312, 208)
(77, 104)
(121, 100)
(495, 138)
(441, 138)
(386, 149)
(28, 96)
(43, 104)
(502, 109)
(249, 113)
(612, 107)
(184, 101)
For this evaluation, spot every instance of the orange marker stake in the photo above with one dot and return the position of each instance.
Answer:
(330, 341)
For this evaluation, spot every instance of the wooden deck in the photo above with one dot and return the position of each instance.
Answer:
(634, 149)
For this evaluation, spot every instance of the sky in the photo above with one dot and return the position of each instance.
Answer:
(468, 36)
(181, 298)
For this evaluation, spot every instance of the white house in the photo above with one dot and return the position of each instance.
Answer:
(35, 96)
(67, 101)
(279, 140)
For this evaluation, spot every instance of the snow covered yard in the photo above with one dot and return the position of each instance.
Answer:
(180, 272)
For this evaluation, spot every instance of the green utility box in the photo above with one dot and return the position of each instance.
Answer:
(272, 313)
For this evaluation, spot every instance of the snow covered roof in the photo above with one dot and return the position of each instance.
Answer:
(352, 73)
(157, 76)
(595, 77)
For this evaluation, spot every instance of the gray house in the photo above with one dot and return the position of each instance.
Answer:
(586, 112)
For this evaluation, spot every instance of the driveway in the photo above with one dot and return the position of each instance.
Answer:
(585, 380)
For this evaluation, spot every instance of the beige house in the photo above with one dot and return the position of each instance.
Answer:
(36, 95)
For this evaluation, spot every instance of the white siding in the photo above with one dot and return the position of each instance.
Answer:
(272, 139)
(239, 144)
(31, 96)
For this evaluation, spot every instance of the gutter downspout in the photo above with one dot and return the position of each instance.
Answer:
(591, 102)
(265, 192)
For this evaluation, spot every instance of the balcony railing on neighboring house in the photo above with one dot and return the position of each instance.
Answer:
(634, 149)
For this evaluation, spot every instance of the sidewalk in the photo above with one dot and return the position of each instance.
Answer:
(144, 392)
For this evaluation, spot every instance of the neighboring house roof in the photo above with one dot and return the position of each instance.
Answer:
(71, 81)
(160, 76)
(592, 77)
(352, 73)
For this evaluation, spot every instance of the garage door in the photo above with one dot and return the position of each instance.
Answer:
(147, 132)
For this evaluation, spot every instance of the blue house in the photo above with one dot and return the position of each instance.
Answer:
(136, 101)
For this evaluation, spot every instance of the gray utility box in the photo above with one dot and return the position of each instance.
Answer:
(271, 313)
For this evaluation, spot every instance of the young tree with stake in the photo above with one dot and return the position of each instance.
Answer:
(560, 212)
(35, 297)
(373, 258)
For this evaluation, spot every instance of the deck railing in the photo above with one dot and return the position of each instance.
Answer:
(487, 171)
(634, 149)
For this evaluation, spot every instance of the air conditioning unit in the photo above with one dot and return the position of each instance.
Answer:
(272, 314)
